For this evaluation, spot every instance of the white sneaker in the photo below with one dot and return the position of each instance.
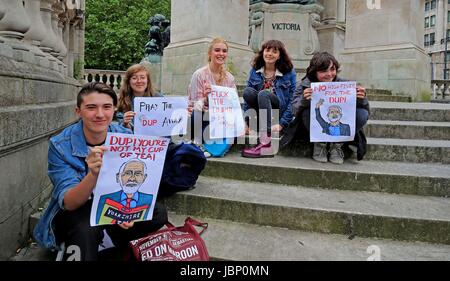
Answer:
(320, 152)
(336, 153)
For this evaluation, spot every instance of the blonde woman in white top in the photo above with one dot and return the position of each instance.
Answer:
(214, 73)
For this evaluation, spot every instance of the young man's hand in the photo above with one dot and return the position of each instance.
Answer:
(94, 159)
(126, 225)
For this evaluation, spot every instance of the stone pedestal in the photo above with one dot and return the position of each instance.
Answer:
(193, 26)
(383, 47)
(293, 24)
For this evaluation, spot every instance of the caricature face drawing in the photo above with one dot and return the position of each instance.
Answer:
(334, 114)
(131, 176)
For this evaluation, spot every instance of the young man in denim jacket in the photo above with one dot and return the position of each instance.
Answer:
(74, 161)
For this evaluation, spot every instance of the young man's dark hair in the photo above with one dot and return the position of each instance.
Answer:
(98, 87)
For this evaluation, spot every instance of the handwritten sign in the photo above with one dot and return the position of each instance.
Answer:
(166, 116)
(128, 182)
(225, 114)
(333, 111)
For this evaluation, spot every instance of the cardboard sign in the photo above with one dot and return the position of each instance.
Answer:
(160, 116)
(128, 182)
(225, 113)
(333, 111)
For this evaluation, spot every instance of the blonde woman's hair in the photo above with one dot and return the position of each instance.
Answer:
(223, 71)
(126, 93)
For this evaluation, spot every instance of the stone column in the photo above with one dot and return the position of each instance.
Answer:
(383, 47)
(49, 43)
(15, 21)
(332, 30)
(13, 25)
(36, 33)
(194, 24)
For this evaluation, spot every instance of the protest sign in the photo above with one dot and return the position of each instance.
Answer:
(165, 116)
(333, 111)
(225, 113)
(128, 181)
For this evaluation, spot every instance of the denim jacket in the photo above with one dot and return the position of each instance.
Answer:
(66, 168)
(284, 89)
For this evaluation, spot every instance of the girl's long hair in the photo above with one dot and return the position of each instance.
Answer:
(223, 71)
(283, 64)
(126, 93)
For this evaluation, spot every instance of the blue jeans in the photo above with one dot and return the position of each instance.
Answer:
(264, 99)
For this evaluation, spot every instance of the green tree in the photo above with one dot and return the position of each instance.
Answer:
(117, 30)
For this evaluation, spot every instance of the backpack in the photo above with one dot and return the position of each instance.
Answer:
(184, 163)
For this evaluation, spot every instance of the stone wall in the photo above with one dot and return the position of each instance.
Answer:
(41, 42)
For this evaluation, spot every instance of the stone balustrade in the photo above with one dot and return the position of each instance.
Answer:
(111, 77)
(440, 90)
(42, 32)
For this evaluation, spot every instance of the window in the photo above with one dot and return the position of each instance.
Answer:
(427, 22)
(433, 4)
(448, 16)
(432, 20)
(427, 6)
(426, 40)
(432, 39)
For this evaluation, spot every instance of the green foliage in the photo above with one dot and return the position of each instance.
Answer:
(117, 30)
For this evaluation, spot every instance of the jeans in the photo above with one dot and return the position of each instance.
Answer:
(264, 99)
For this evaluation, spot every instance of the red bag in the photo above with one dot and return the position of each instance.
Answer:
(182, 243)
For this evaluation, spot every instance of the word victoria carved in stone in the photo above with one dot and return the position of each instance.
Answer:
(286, 26)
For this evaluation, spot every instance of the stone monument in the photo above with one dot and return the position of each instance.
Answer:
(384, 47)
(194, 23)
(38, 39)
(294, 23)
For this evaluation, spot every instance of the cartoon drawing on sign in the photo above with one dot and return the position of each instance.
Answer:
(127, 204)
(334, 115)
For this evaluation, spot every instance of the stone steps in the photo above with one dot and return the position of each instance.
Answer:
(383, 149)
(408, 129)
(229, 240)
(401, 111)
(379, 176)
(389, 98)
(365, 214)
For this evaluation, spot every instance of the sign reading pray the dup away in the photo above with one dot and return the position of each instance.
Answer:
(225, 114)
(333, 111)
(166, 116)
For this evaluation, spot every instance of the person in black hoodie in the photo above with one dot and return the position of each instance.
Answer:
(324, 67)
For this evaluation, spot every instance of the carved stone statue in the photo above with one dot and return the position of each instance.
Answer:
(159, 37)
(301, 2)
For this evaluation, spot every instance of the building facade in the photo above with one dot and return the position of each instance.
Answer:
(437, 29)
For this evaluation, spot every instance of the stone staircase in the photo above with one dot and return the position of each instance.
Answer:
(393, 205)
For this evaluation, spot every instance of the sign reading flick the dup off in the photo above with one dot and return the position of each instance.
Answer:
(225, 114)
